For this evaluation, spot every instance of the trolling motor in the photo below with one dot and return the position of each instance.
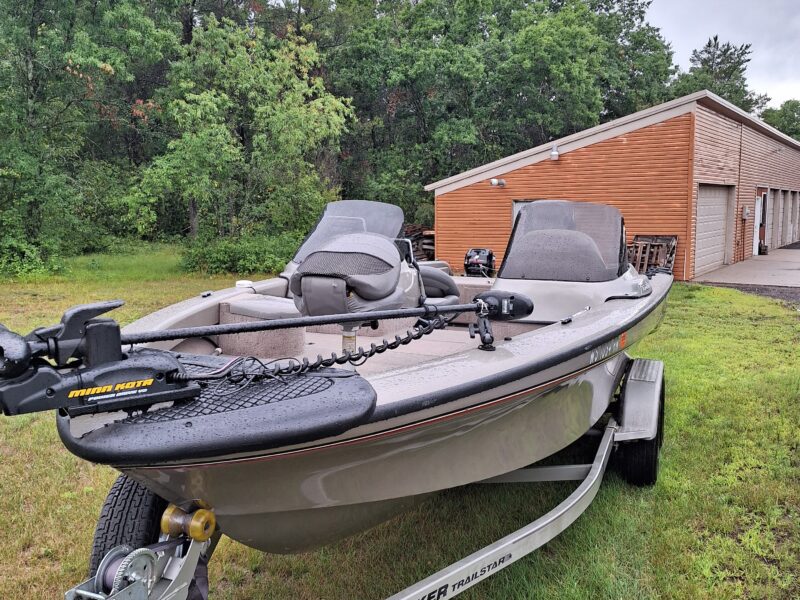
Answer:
(87, 371)
(78, 366)
(498, 306)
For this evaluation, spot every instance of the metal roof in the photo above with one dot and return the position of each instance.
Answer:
(632, 122)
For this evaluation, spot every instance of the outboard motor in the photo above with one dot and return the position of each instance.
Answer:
(355, 273)
(479, 262)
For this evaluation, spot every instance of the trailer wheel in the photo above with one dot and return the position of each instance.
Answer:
(661, 409)
(638, 461)
(130, 516)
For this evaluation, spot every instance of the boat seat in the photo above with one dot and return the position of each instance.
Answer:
(440, 288)
(264, 307)
(262, 344)
(352, 273)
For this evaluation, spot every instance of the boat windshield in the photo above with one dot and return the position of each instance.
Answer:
(558, 240)
(352, 216)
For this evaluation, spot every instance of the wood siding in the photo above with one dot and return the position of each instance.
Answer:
(728, 152)
(646, 173)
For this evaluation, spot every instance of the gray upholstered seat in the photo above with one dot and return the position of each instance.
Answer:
(264, 307)
(350, 274)
(440, 288)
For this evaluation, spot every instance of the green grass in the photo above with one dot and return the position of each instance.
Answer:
(723, 521)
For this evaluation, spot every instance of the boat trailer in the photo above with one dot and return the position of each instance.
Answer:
(164, 571)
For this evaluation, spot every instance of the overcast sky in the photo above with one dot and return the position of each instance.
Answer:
(771, 26)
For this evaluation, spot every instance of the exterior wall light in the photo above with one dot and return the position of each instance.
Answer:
(497, 182)
(554, 153)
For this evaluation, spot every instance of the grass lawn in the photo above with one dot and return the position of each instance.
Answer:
(723, 521)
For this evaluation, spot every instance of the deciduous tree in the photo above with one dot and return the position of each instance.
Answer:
(786, 118)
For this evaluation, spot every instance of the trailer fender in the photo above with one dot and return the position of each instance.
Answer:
(642, 394)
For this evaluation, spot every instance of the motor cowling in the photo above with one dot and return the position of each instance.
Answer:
(479, 262)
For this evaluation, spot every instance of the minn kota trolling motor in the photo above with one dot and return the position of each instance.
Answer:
(87, 371)
(85, 365)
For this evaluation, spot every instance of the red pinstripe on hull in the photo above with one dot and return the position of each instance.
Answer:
(390, 432)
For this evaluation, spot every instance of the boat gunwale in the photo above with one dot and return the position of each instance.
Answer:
(455, 392)
(540, 387)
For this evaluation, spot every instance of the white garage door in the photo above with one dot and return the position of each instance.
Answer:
(777, 219)
(712, 219)
(788, 198)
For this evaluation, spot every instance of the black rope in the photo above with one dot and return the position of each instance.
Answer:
(652, 271)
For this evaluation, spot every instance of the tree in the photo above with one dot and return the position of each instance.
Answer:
(721, 68)
(440, 86)
(60, 68)
(785, 119)
(637, 62)
(249, 118)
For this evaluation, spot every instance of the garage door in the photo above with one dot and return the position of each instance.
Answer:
(788, 198)
(712, 217)
(777, 219)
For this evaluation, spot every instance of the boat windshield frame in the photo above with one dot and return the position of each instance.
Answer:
(561, 240)
(352, 216)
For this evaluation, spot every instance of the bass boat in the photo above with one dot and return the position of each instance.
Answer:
(295, 411)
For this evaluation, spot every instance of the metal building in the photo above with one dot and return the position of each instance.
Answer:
(698, 168)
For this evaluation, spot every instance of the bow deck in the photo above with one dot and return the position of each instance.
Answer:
(258, 415)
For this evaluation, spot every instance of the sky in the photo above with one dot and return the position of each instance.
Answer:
(771, 26)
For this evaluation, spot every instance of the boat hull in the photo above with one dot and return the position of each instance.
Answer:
(297, 500)
(437, 425)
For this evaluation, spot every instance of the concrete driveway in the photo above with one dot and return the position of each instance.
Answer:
(779, 268)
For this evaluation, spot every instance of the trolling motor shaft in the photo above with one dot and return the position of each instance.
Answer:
(498, 306)
(78, 366)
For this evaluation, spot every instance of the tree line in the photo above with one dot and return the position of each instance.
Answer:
(218, 119)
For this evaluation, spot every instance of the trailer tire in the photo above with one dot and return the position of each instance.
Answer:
(131, 515)
(661, 410)
(638, 461)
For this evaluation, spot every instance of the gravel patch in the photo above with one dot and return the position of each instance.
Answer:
(790, 295)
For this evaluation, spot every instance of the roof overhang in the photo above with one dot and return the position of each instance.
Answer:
(621, 126)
